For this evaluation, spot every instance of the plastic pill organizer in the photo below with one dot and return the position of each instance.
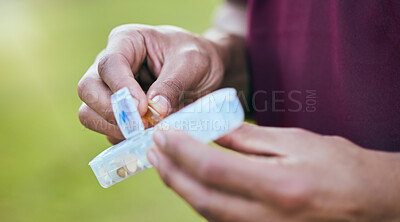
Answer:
(207, 119)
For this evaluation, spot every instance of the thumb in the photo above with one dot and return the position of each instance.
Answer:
(174, 80)
(253, 139)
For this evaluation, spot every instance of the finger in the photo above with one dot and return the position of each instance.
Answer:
(234, 172)
(113, 140)
(208, 202)
(273, 141)
(124, 55)
(250, 139)
(179, 74)
(91, 120)
(95, 94)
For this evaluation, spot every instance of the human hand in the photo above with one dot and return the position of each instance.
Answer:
(163, 61)
(279, 174)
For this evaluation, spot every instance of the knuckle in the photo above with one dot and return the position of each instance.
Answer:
(173, 85)
(293, 201)
(336, 138)
(165, 177)
(195, 56)
(175, 148)
(103, 63)
(82, 85)
(130, 30)
(202, 207)
(171, 28)
(87, 91)
(297, 132)
(113, 140)
(122, 30)
(83, 115)
(292, 196)
(239, 136)
(210, 170)
(106, 61)
(108, 114)
(245, 131)
(242, 129)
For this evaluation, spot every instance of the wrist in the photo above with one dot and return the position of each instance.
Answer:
(384, 183)
(225, 44)
(232, 52)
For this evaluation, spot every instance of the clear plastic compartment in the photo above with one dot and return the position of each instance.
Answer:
(123, 160)
(207, 119)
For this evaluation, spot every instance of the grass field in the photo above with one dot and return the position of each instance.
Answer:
(45, 48)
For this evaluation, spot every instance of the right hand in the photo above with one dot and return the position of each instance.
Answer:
(165, 61)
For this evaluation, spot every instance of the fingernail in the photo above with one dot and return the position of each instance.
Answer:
(152, 157)
(161, 105)
(159, 139)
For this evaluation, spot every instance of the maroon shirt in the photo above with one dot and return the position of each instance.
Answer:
(330, 66)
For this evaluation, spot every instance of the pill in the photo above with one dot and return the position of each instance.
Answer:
(151, 118)
(121, 172)
(131, 162)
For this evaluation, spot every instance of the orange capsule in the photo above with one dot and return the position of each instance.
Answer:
(151, 118)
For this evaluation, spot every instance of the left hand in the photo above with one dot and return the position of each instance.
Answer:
(278, 174)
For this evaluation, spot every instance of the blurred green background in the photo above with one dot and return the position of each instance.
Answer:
(45, 48)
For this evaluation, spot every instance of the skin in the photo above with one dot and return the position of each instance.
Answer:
(279, 174)
(144, 59)
(275, 174)
(164, 61)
